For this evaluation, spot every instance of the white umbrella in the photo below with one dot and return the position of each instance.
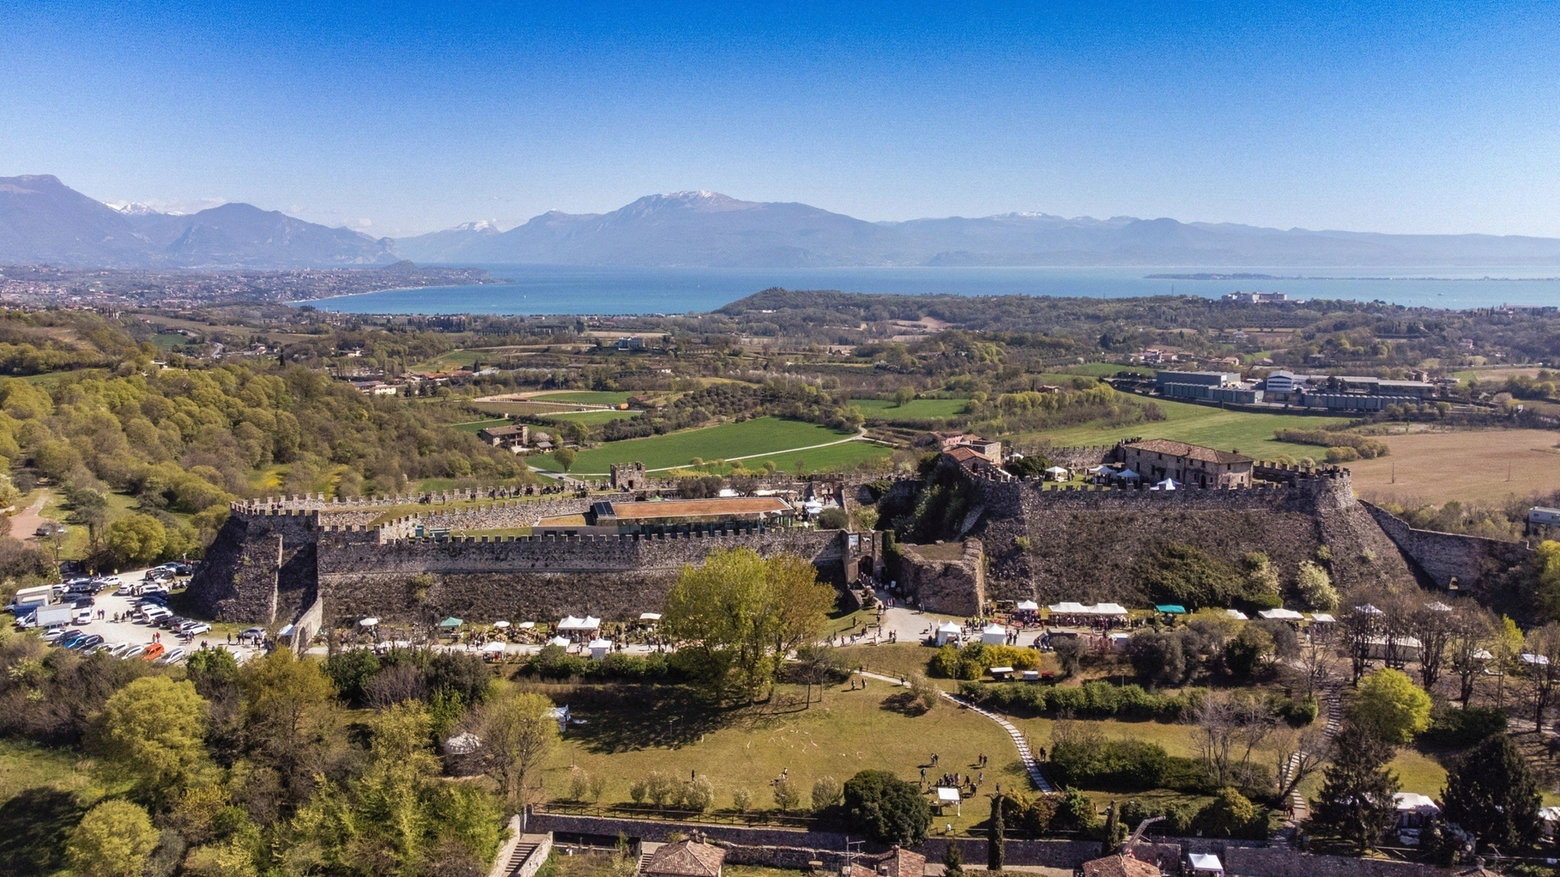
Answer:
(501, 624)
(493, 649)
(369, 622)
(527, 625)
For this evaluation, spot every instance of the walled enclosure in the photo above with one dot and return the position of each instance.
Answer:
(274, 559)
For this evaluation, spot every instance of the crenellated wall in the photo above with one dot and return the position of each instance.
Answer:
(1448, 557)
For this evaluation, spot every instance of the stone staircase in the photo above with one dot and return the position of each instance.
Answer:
(526, 857)
(1025, 756)
(1333, 697)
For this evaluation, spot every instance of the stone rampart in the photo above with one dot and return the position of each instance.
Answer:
(1445, 558)
(536, 577)
(955, 586)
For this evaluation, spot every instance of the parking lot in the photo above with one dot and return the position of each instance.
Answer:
(134, 629)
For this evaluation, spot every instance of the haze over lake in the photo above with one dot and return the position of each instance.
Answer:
(548, 289)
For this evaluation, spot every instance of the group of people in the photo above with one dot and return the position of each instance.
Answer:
(966, 784)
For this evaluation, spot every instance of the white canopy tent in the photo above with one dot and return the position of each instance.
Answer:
(495, 649)
(561, 642)
(1167, 484)
(650, 616)
(1281, 615)
(947, 632)
(599, 648)
(993, 635)
(1206, 864)
(1105, 609)
(1322, 618)
(570, 624)
(1059, 473)
(501, 625)
(1027, 606)
(1236, 614)
(949, 795)
(1129, 475)
(527, 625)
(369, 621)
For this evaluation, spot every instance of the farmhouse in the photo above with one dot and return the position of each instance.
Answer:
(512, 436)
(1158, 459)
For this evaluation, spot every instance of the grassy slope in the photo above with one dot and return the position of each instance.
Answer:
(759, 436)
(850, 731)
(916, 409)
(592, 417)
(1202, 425)
(585, 397)
(43, 793)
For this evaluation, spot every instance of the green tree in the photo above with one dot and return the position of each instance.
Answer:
(953, 860)
(1389, 705)
(564, 458)
(996, 840)
(1229, 814)
(151, 733)
(833, 518)
(1356, 799)
(518, 732)
(1250, 649)
(826, 792)
(736, 617)
(1316, 587)
(903, 396)
(1546, 575)
(114, 839)
(887, 808)
(787, 796)
(1490, 791)
(137, 539)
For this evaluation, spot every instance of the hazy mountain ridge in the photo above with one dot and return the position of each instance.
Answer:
(704, 229)
(44, 221)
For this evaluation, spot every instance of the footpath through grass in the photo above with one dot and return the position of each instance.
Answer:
(1251, 433)
(769, 437)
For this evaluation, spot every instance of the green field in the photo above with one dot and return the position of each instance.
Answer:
(768, 436)
(585, 397)
(591, 417)
(916, 409)
(631, 731)
(455, 359)
(477, 426)
(167, 340)
(1103, 369)
(1252, 433)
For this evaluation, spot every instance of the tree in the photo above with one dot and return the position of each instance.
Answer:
(1541, 671)
(833, 518)
(151, 733)
(1247, 651)
(1112, 840)
(564, 458)
(1316, 587)
(1472, 628)
(996, 842)
(1490, 792)
(1228, 814)
(1069, 653)
(1356, 799)
(903, 396)
(1389, 705)
(137, 539)
(1432, 624)
(887, 808)
(517, 732)
(1299, 754)
(1313, 668)
(826, 792)
(1546, 577)
(1157, 657)
(787, 796)
(114, 839)
(738, 616)
(953, 860)
(1228, 730)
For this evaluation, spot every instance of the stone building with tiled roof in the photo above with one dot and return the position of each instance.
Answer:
(896, 862)
(686, 858)
(1191, 465)
(1119, 865)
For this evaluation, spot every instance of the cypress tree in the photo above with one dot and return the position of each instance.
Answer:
(953, 860)
(1112, 830)
(994, 851)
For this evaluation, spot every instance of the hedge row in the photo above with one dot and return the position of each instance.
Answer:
(1095, 700)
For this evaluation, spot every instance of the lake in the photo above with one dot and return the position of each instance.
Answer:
(552, 289)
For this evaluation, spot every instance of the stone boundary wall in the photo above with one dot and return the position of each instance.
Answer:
(954, 587)
(307, 625)
(1305, 493)
(794, 848)
(1471, 560)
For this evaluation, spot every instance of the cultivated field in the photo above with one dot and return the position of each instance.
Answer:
(584, 397)
(768, 437)
(1482, 466)
(1251, 433)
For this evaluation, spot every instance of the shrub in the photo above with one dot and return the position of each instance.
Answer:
(698, 794)
(1466, 727)
(1316, 587)
(1087, 759)
(1229, 814)
(1298, 713)
(886, 808)
(826, 792)
(1097, 699)
(972, 661)
(741, 800)
(1186, 575)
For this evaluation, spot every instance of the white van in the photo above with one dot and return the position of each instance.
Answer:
(153, 613)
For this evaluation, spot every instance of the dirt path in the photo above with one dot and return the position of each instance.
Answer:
(25, 523)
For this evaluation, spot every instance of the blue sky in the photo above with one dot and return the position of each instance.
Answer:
(401, 118)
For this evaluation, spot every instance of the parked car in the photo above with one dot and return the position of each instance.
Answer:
(194, 628)
(85, 642)
(173, 656)
(119, 649)
(53, 634)
(133, 652)
(171, 622)
(153, 652)
(69, 638)
(155, 613)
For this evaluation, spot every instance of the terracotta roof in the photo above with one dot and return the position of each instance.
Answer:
(501, 431)
(894, 863)
(1191, 452)
(1119, 866)
(687, 858)
(964, 455)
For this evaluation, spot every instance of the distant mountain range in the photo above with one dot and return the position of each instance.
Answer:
(43, 220)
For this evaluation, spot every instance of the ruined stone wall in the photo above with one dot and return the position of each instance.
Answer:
(1098, 544)
(614, 577)
(954, 587)
(1444, 557)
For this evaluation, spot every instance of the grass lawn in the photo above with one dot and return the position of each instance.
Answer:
(915, 409)
(1418, 772)
(765, 435)
(584, 397)
(43, 794)
(1103, 369)
(477, 426)
(630, 731)
(167, 340)
(455, 359)
(1212, 427)
(591, 417)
